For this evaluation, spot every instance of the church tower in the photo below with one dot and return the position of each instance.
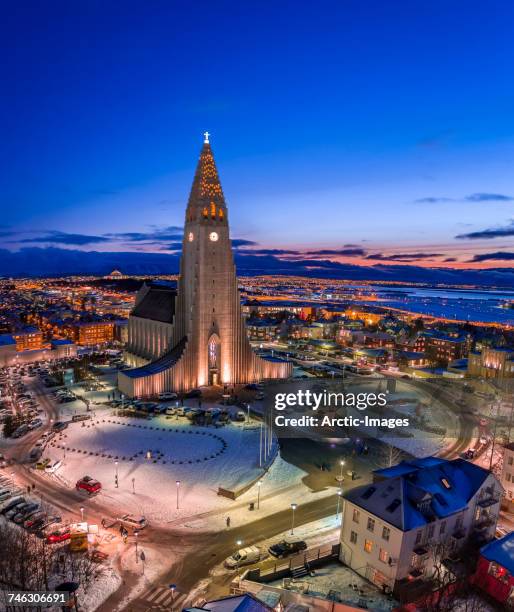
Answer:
(207, 342)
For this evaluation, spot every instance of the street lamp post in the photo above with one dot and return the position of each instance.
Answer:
(116, 476)
(259, 484)
(172, 589)
(178, 487)
(238, 543)
(293, 508)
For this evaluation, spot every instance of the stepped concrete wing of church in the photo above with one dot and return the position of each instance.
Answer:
(195, 336)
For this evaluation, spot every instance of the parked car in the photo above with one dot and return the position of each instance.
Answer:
(59, 535)
(30, 520)
(5, 494)
(17, 501)
(127, 520)
(59, 425)
(88, 484)
(25, 512)
(168, 396)
(244, 556)
(285, 548)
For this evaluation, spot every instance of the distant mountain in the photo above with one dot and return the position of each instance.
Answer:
(52, 261)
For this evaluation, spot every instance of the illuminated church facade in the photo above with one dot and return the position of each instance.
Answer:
(195, 336)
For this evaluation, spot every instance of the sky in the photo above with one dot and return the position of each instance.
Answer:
(359, 132)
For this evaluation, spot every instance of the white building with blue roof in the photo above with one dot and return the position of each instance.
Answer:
(415, 514)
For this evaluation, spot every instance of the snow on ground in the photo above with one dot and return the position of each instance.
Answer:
(103, 587)
(201, 458)
(345, 584)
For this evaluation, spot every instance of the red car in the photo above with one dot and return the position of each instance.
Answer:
(58, 536)
(88, 484)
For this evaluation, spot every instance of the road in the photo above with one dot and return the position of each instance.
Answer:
(196, 553)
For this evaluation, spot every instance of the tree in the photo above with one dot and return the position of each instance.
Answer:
(389, 455)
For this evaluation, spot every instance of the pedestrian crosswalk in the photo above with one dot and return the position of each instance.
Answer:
(162, 598)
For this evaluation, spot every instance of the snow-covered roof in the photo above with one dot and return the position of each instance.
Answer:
(413, 493)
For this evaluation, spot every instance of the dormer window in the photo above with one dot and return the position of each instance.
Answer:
(445, 483)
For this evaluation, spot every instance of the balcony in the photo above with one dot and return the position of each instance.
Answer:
(491, 500)
(459, 534)
(421, 552)
(483, 523)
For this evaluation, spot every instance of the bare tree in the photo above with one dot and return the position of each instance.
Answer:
(388, 455)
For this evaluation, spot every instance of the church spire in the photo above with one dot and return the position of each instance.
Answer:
(206, 199)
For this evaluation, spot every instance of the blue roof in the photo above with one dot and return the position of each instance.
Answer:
(6, 340)
(60, 341)
(414, 493)
(501, 551)
(237, 603)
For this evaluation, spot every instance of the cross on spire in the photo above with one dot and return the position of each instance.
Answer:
(206, 137)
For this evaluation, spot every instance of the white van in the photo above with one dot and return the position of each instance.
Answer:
(53, 467)
(244, 556)
(168, 395)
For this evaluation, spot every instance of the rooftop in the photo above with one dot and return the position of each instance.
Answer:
(414, 493)
(157, 304)
(501, 551)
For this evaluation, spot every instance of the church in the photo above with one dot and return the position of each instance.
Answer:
(195, 336)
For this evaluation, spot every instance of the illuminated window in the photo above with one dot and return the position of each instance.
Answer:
(368, 546)
(383, 555)
(213, 210)
(446, 484)
(220, 213)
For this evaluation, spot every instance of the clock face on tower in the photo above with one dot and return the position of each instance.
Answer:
(213, 236)
(191, 237)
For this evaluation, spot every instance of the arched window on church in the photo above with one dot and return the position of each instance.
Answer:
(220, 214)
(205, 212)
(213, 210)
(213, 353)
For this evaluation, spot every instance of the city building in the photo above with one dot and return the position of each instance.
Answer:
(507, 476)
(412, 516)
(28, 339)
(90, 333)
(205, 341)
(440, 347)
(491, 363)
(495, 571)
(262, 330)
(115, 275)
